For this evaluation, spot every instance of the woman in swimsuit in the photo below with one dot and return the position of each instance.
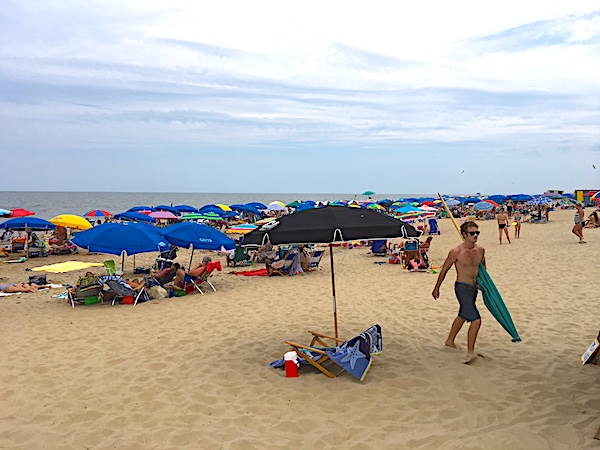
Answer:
(502, 219)
(518, 220)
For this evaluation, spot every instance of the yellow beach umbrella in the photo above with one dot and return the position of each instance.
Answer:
(71, 221)
(223, 207)
(277, 202)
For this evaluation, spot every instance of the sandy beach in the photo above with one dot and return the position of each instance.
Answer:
(193, 372)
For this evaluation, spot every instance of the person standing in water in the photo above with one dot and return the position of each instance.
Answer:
(466, 258)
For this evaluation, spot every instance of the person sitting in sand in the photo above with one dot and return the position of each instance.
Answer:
(13, 288)
(592, 221)
(201, 267)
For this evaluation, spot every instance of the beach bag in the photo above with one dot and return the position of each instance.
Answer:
(394, 259)
(156, 292)
(38, 279)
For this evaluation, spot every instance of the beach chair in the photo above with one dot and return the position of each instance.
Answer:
(433, 227)
(203, 277)
(315, 259)
(18, 244)
(110, 267)
(85, 290)
(240, 257)
(165, 259)
(284, 268)
(119, 288)
(352, 356)
(379, 247)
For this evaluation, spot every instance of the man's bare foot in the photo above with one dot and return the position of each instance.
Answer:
(451, 344)
(468, 358)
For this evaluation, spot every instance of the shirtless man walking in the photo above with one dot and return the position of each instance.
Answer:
(502, 219)
(466, 258)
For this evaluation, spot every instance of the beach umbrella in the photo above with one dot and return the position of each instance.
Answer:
(328, 225)
(257, 205)
(294, 204)
(27, 223)
(134, 216)
(186, 208)
(491, 201)
(494, 303)
(540, 200)
(211, 209)
(247, 209)
(520, 197)
(71, 221)
(223, 207)
(275, 207)
(5, 212)
(20, 212)
(168, 208)
(198, 236)
(498, 198)
(141, 208)
(242, 228)
(452, 202)
(129, 238)
(163, 215)
(209, 216)
(483, 206)
(97, 213)
(368, 193)
(304, 206)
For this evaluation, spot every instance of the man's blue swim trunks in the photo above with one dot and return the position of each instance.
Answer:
(466, 294)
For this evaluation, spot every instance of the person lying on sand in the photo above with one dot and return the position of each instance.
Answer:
(21, 287)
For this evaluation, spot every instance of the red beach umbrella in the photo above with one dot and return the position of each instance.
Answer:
(20, 212)
(97, 213)
(492, 202)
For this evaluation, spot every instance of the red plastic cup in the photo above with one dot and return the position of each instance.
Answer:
(291, 369)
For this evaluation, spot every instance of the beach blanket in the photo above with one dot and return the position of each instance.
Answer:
(67, 266)
(355, 355)
(493, 301)
(251, 273)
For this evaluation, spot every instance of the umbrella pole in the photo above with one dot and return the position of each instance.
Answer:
(191, 257)
(451, 216)
(122, 261)
(134, 263)
(335, 324)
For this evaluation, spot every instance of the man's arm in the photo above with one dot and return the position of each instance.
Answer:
(451, 259)
(483, 259)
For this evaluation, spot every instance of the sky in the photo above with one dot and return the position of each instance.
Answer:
(300, 97)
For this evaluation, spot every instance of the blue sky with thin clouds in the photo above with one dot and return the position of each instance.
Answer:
(310, 97)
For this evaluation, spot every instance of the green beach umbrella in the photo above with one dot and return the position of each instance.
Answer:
(368, 193)
(294, 204)
(493, 301)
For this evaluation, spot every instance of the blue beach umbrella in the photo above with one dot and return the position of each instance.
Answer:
(117, 238)
(452, 202)
(245, 208)
(483, 206)
(24, 223)
(186, 208)
(198, 236)
(142, 208)
(135, 217)
(257, 205)
(520, 197)
(498, 198)
(5, 212)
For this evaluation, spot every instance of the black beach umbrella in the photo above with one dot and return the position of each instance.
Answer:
(328, 225)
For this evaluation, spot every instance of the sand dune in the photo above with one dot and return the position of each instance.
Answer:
(192, 372)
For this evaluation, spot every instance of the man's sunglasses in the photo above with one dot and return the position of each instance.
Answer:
(474, 233)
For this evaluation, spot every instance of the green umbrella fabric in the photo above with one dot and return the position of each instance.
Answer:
(368, 193)
(493, 301)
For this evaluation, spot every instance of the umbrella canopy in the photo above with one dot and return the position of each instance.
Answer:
(368, 193)
(71, 221)
(165, 215)
(327, 225)
(520, 197)
(135, 217)
(186, 208)
(141, 208)
(198, 236)
(452, 202)
(168, 208)
(275, 207)
(483, 206)
(257, 205)
(223, 207)
(97, 213)
(20, 212)
(5, 212)
(24, 223)
(541, 200)
(491, 201)
(117, 238)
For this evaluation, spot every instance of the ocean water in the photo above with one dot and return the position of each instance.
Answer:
(46, 205)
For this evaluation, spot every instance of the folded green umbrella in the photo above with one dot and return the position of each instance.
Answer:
(493, 301)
